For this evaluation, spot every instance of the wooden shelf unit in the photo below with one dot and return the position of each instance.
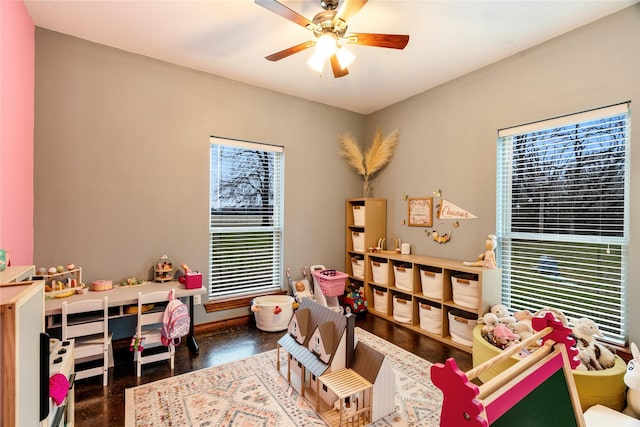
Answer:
(489, 290)
(372, 225)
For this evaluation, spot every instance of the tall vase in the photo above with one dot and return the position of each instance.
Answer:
(367, 190)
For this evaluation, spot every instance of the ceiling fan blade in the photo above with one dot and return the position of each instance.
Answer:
(285, 12)
(335, 66)
(291, 50)
(393, 41)
(348, 9)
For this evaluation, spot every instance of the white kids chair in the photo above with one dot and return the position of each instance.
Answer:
(87, 323)
(148, 331)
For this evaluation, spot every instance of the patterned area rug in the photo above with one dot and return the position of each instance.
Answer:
(251, 392)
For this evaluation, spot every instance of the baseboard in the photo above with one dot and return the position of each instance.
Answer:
(209, 327)
(223, 324)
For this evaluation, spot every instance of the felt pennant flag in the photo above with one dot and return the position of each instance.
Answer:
(449, 210)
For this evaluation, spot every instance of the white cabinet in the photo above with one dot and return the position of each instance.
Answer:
(17, 274)
(21, 323)
(26, 355)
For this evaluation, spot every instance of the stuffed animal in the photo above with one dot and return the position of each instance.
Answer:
(504, 337)
(523, 315)
(488, 259)
(586, 329)
(503, 314)
(632, 380)
(592, 354)
(489, 320)
(556, 313)
(522, 328)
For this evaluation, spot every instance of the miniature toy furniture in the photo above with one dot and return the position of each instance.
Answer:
(604, 387)
(87, 323)
(346, 383)
(61, 382)
(148, 331)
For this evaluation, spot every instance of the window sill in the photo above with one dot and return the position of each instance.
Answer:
(231, 303)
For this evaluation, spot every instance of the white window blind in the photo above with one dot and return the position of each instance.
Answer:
(246, 218)
(563, 197)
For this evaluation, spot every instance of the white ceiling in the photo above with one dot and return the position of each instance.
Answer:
(230, 38)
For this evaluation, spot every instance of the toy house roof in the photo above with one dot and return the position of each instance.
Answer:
(303, 355)
(326, 333)
(318, 315)
(302, 317)
(367, 362)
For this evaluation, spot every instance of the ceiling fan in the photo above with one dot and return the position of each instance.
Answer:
(330, 29)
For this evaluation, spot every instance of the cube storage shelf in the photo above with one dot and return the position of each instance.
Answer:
(425, 283)
(366, 222)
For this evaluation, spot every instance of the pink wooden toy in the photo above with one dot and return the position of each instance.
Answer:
(539, 386)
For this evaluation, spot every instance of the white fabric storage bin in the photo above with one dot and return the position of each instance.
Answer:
(380, 301)
(402, 309)
(430, 318)
(431, 282)
(358, 241)
(404, 277)
(358, 215)
(466, 292)
(357, 265)
(380, 271)
(461, 326)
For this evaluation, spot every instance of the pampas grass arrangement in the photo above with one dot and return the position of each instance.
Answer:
(373, 160)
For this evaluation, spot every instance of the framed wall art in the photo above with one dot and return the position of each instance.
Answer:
(420, 211)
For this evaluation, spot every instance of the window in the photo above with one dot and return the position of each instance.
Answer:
(563, 221)
(245, 235)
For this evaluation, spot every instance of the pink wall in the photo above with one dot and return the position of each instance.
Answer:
(17, 53)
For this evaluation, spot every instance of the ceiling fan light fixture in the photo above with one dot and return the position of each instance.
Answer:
(330, 30)
(345, 58)
(326, 45)
(317, 61)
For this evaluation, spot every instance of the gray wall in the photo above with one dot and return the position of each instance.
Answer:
(121, 148)
(449, 133)
(122, 161)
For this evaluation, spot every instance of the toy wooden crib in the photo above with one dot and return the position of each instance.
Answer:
(539, 390)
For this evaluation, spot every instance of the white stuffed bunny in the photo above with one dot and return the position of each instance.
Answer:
(632, 380)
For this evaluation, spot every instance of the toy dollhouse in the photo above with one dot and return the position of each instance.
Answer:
(345, 381)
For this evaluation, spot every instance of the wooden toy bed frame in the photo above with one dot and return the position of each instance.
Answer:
(539, 390)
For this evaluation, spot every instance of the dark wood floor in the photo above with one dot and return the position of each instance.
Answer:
(104, 406)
